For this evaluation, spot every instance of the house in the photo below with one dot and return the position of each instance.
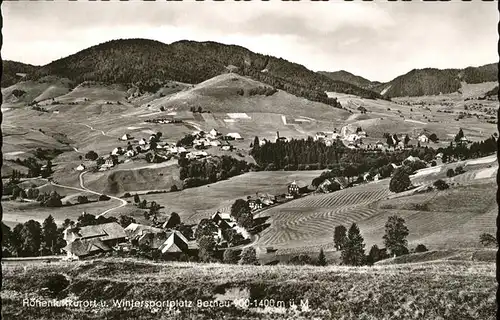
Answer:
(182, 150)
(125, 137)
(262, 142)
(108, 163)
(361, 134)
(135, 229)
(234, 135)
(423, 138)
(117, 151)
(379, 145)
(341, 181)
(294, 188)
(84, 248)
(81, 167)
(226, 148)
(152, 137)
(412, 159)
(215, 143)
(464, 140)
(254, 203)
(320, 136)
(90, 239)
(439, 155)
(143, 142)
(335, 136)
(353, 139)
(214, 133)
(130, 153)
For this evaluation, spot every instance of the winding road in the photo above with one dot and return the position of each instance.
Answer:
(85, 189)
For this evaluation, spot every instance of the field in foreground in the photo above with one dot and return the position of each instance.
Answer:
(437, 290)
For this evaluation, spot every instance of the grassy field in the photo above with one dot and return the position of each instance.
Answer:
(440, 219)
(437, 290)
(194, 204)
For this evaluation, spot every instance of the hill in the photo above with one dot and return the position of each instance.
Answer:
(457, 289)
(149, 63)
(348, 77)
(13, 72)
(430, 81)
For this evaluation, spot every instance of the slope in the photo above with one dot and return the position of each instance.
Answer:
(13, 72)
(149, 63)
(348, 77)
(430, 81)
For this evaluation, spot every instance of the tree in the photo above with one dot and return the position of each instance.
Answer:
(6, 236)
(487, 240)
(206, 227)
(206, 245)
(174, 188)
(321, 258)
(231, 256)
(255, 146)
(249, 256)
(374, 255)
(174, 220)
(459, 170)
(339, 237)
(450, 173)
(433, 137)
(400, 181)
(49, 236)
(104, 197)
(395, 236)
(459, 135)
(16, 240)
(82, 199)
(239, 207)
(91, 155)
(353, 253)
(136, 198)
(441, 184)
(301, 259)
(126, 220)
(406, 140)
(31, 238)
(421, 248)
(86, 220)
(245, 219)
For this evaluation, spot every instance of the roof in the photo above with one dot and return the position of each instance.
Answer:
(154, 240)
(135, 229)
(176, 242)
(234, 135)
(86, 247)
(105, 231)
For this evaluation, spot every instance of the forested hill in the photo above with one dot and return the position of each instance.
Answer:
(148, 63)
(348, 77)
(420, 82)
(11, 69)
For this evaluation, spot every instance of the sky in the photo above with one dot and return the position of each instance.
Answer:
(377, 40)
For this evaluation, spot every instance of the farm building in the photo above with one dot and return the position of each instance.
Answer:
(134, 229)
(143, 142)
(117, 151)
(423, 138)
(81, 167)
(412, 159)
(90, 239)
(320, 136)
(214, 133)
(130, 153)
(176, 243)
(125, 137)
(254, 203)
(215, 143)
(361, 134)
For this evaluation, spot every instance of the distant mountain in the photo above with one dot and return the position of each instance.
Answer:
(348, 77)
(148, 64)
(429, 81)
(13, 72)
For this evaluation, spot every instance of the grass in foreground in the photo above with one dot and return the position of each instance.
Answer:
(438, 290)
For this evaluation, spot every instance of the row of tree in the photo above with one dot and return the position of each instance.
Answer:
(200, 172)
(352, 246)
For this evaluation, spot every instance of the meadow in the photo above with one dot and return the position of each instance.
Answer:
(431, 290)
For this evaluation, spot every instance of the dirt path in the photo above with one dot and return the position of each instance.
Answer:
(85, 189)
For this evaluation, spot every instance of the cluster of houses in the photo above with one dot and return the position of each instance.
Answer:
(163, 150)
(352, 137)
